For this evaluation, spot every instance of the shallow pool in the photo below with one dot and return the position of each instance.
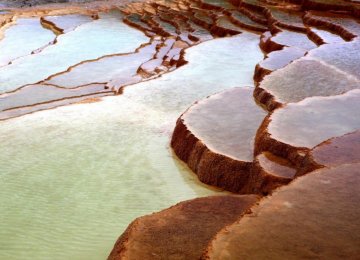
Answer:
(73, 178)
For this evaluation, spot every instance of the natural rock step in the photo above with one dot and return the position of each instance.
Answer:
(291, 20)
(32, 95)
(322, 37)
(183, 29)
(219, 5)
(254, 16)
(199, 32)
(215, 138)
(65, 23)
(151, 68)
(223, 27)
(164, 47)
(277, 60)
(254, 5)
(182, 231)
(119, 83)
(101, 69)
(287, 4)
(73, 48)
(292, 131)
(339, 150)
(295, 81)
(343, 57)
(169, 54)
(243, 21)
(316, 216)
(267, 45)
(301, 79)
(333, 5)
(270, 172)
(186, 27)
(167, 27)
(154, 23)
(203, 19)
(128, 9)
(342, 25)
(17, 39)
(134, 20)
(176, 51)
(5, 19)
(293, 39)
(20, 111)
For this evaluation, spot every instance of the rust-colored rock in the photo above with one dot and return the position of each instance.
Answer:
(182, 231)
(215, 138)
(314, 217)
(336, 151)
(292, 131)
(270, 172)
(330, 23)
(277, 60)
(267, 45)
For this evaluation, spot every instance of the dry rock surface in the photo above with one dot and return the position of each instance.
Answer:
(182, 231)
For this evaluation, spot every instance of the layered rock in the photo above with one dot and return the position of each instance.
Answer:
(309, 126)
(335, 151)
(215, 138)
(277, 60)
(316, 216)
(182, 231)
(292, 131)
(302, 79)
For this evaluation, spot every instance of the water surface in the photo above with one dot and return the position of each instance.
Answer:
(73, 178)
(105, 36)
(20, 39)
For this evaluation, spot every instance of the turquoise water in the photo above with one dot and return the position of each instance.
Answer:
(73, 178)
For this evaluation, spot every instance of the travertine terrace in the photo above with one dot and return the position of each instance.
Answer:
(305, 95)
(256, 97)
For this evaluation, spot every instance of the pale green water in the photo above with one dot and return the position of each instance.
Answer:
(72, 178)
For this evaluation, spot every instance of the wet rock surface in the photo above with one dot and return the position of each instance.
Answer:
(306, 108)
(299, 119)
(325, 227)
(215, 138)
(286, 132)
(335, 151)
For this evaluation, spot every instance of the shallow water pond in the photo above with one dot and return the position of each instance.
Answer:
(105, 36)
(73, 178)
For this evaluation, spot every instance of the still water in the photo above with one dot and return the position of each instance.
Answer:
(73, 178)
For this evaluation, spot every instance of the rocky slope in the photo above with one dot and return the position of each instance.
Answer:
(308, 87)
(297, 127)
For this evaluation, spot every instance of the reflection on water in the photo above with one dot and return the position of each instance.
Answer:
(73, 178)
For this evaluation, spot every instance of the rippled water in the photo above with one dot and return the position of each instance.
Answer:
(72, 178)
